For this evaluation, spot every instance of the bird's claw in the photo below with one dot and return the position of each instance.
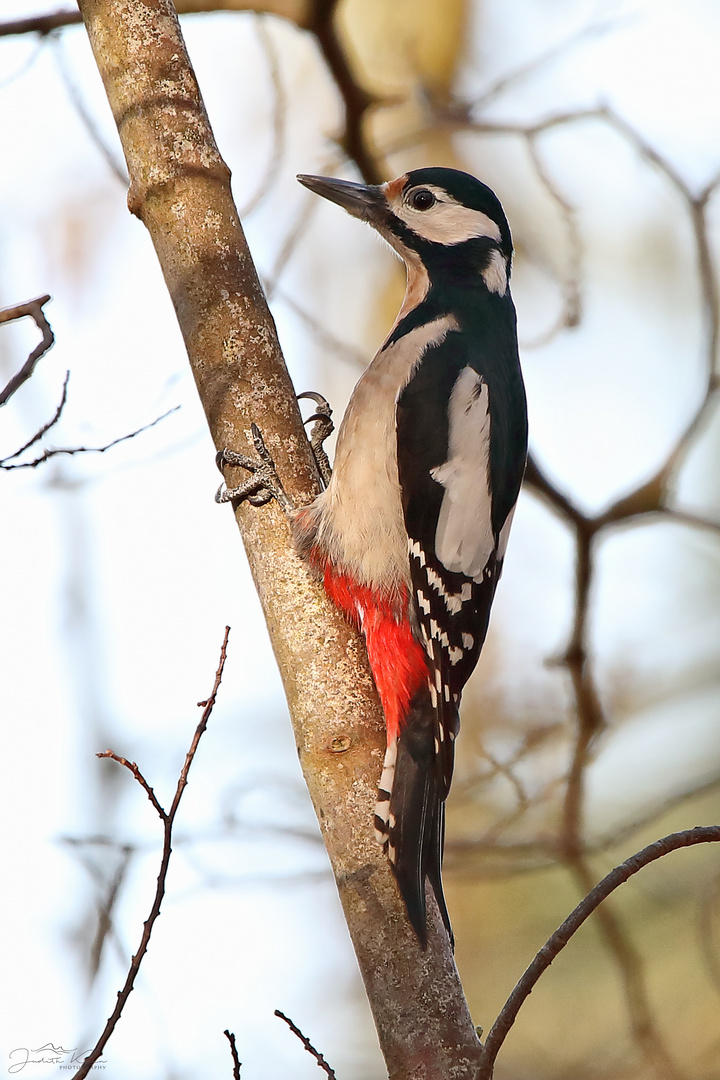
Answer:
(259, 488)
(322, 429)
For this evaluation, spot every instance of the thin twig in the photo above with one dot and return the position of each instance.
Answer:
(41, 24)
(132, 766)
(356, 98)
(520, 74)
(25, 66)
(340, 349)
(71, 450)
(73, 91)
(45, 428)
(279, 119)
(105, 927)
(307, 1044)
(558, 940)
(34, 308)
(571, 313)
(230, 1036)
(292, 237)
(168, 819)
(109, 891)
(293, 10)
(541, 851)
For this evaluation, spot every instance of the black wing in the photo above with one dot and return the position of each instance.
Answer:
(457, 400)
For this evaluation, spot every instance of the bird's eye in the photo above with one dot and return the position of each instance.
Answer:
(422, 199)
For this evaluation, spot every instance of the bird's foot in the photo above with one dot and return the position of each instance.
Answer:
(263, 485)
(322, 429)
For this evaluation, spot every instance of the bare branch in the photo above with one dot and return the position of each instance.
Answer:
(179, 182)
(537, 481)
(41, 24)
(25, 66)
(230, 1036)
(71, 450)
(108, 890)
(520, 74)
(571, 312)
(340, 349)
(307, 1044)
(132, 766)
(279, 115)
(294, 10)
(356, 98)
(105, 927)
(34, 308)
(695, 521)
(558, 940)
(168, 820)
(116, 167)
(45, 428)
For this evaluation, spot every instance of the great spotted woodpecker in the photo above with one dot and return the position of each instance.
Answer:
(410, 535)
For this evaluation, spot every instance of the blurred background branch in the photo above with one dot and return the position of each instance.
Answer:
(33, 308)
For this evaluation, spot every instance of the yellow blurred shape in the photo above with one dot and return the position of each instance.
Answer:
(398, 44)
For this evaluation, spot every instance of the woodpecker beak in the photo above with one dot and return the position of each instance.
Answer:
(367, 203)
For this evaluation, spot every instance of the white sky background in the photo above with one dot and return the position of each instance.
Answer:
(120, 572)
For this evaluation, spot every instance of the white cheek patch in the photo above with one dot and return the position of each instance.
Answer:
(495, 274)
(447, 222)
(464, 538)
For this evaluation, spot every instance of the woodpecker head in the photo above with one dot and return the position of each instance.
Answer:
(438, 220)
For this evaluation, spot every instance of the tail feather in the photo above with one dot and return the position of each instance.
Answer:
(387, 781)
(410, 815)
(435, 866)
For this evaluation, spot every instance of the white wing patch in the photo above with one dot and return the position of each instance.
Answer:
(464, 538)
(505, 535)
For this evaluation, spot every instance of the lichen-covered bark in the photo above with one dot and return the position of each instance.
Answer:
(180, 189)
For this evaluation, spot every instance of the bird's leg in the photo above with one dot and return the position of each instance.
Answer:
(322, 429)
(263, 485)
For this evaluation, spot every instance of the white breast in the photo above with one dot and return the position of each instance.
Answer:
(361, 524)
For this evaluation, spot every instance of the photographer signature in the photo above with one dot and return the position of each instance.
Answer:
(49, 1054)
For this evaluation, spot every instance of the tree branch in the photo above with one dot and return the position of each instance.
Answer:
(355, 98)
(558, 940)
(308, 1045)
(294, 10)
(43, 430)
(33, 308)
(168, 819)
(230, 1036)
(72, 450)
(180, 190)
